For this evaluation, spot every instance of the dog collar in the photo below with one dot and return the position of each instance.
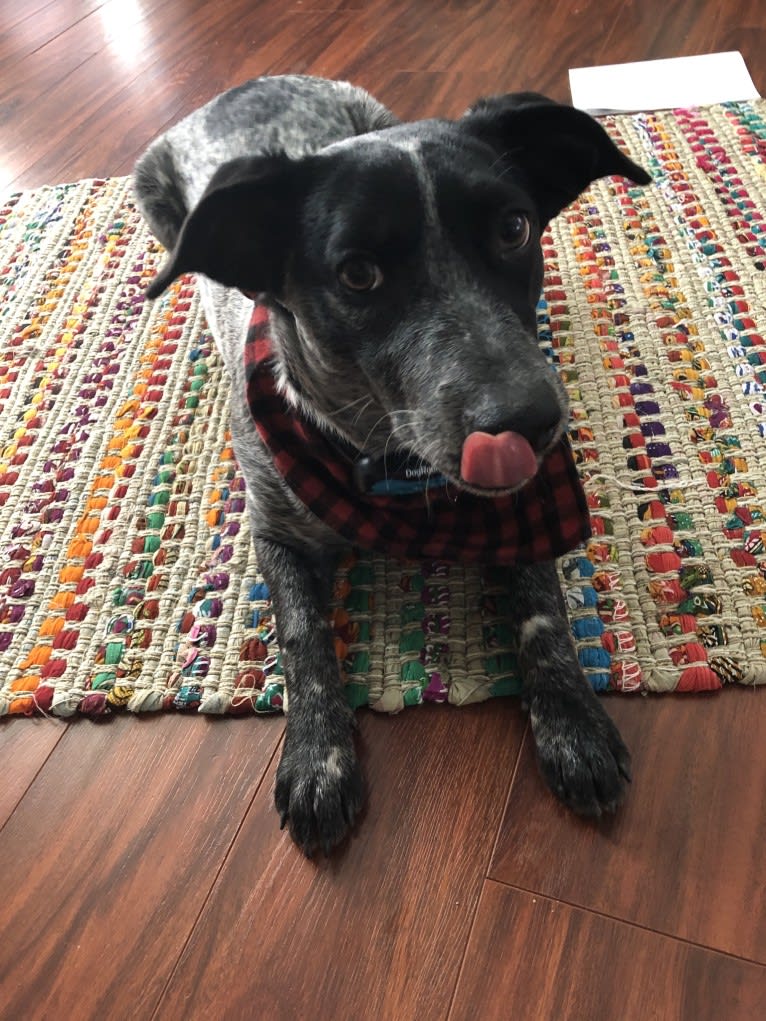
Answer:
(397, 514)
(398, 474)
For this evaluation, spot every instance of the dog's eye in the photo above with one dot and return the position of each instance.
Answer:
(358, 274)
(512, 232)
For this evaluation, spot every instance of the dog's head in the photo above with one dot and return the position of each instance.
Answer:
(403, 269)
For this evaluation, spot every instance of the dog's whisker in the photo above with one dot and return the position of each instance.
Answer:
(373, 428)
(361, 411)
(395, 427)
(385, 454)
(340, 411)
(494, 163)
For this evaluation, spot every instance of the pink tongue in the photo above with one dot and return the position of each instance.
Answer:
(497, 462)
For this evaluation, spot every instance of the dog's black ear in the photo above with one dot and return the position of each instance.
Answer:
(239, 231)
(559, 150)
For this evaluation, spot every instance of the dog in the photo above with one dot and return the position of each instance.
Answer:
(394, 269)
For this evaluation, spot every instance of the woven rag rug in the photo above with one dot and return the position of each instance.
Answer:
(127, 577)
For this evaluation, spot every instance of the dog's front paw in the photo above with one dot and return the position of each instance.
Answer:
(319, 791)
(580, 752)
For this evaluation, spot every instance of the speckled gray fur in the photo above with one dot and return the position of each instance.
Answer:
(261, 189)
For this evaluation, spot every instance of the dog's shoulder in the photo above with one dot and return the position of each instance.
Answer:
(294, 113)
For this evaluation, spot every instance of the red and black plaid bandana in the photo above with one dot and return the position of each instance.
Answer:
(543, 520)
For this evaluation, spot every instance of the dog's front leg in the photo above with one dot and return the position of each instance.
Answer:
(319, 782)
(579, 749)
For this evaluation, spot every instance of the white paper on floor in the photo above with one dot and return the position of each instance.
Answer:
(662, 84)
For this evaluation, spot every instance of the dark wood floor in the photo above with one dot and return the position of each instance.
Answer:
(142, 871)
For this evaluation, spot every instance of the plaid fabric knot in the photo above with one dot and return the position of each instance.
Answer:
(543, 520)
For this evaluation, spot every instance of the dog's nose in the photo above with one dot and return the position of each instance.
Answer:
(537, 418)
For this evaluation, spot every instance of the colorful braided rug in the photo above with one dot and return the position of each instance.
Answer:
(127, 577)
